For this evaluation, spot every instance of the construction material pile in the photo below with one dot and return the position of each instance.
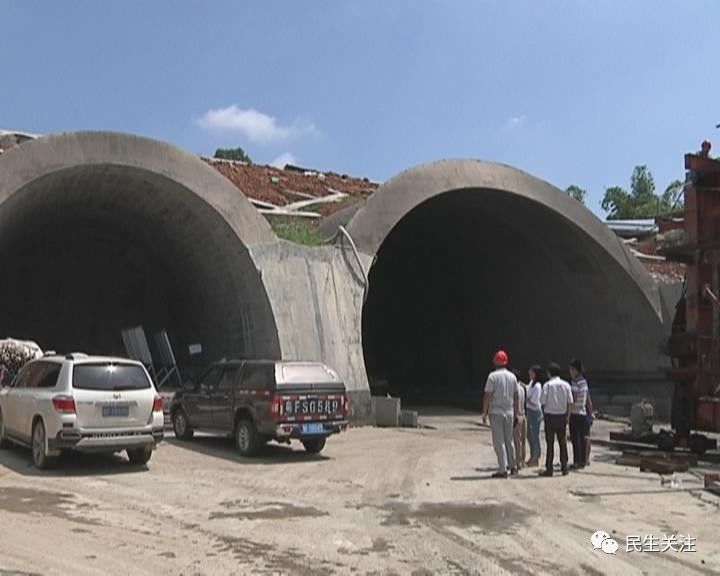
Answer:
(14, 354)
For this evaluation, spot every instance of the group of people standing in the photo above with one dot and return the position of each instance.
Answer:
(517, 410)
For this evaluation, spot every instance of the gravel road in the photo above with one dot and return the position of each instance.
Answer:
(377, 501)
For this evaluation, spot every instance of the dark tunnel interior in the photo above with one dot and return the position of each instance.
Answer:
(90, 251)
(471, 271)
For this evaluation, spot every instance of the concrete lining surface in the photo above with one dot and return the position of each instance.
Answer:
(316, 295)
(472, 256)
(104, 230)
(393, 200)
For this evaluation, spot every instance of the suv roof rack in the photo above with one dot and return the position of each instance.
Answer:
(75, 355)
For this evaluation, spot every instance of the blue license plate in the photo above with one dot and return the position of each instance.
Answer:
(115, 411)
(313, 428)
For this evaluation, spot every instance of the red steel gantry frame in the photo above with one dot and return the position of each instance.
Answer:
(695, 342)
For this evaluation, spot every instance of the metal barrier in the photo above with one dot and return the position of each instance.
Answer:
(137, 348)
(168, 365)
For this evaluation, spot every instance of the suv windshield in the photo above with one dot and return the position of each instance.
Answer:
(109, 377)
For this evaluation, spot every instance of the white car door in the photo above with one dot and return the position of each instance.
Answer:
(15, 404)
(27, 398)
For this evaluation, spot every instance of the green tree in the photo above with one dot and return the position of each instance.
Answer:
(232, 154)
(642, 185)
(616, 203)
(577, 193)
(673, 195)
(641, 201)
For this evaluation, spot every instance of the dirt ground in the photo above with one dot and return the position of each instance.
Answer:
(377, 501)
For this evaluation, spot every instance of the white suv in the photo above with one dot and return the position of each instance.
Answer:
(84, 403)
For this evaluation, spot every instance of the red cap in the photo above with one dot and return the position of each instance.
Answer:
(501, 358)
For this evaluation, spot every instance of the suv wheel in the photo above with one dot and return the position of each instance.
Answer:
(39, 446)
(3, 439)
(139, 456)
(181, 425)
(247, 438)
(314, 446)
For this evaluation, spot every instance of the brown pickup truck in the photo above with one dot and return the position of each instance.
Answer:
(258, 401)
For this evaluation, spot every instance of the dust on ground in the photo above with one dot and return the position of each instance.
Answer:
(377, 501)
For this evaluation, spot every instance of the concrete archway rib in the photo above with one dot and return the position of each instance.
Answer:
(472, 255)
(176, 236)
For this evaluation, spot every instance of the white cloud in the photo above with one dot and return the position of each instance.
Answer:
(284, 158)
(256, 126)
(515, 122)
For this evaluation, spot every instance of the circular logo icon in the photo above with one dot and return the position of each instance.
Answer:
(597, 539)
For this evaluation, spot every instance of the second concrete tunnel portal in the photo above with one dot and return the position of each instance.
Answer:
(100, 231)
(471, 256)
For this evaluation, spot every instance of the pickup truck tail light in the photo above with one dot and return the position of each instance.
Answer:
(345, 406)
(276, 407)
(64, 404)
(158, 404)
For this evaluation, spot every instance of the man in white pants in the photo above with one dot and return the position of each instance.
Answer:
(500, 400)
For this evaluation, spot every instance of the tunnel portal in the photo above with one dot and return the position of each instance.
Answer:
(461, 272)
(107, 240)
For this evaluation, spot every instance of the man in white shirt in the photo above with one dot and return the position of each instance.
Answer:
(557, 400)
(500, 400)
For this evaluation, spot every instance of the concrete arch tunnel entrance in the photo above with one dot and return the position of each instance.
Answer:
(100, 232)
(471, 257)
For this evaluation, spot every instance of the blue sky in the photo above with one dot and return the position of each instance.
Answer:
(572, 92)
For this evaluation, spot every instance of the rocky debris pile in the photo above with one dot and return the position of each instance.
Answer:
(281, 187)
(14, 354)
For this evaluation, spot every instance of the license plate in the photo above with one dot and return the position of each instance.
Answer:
(313, 428)
(311, 406)
(115, 411)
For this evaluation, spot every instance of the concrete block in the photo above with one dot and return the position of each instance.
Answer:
(361, 407)
(387, 411)
(408, 419)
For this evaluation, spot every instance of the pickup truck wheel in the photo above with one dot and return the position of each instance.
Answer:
(314, 446)
(247, 438)
(181, 425)
(4, 443)
(39, 447)
(139, 456)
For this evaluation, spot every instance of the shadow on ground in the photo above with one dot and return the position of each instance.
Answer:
(19, 460)
(224, 447)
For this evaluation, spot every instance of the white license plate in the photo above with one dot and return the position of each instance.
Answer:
(115, 411)
(313, 428)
